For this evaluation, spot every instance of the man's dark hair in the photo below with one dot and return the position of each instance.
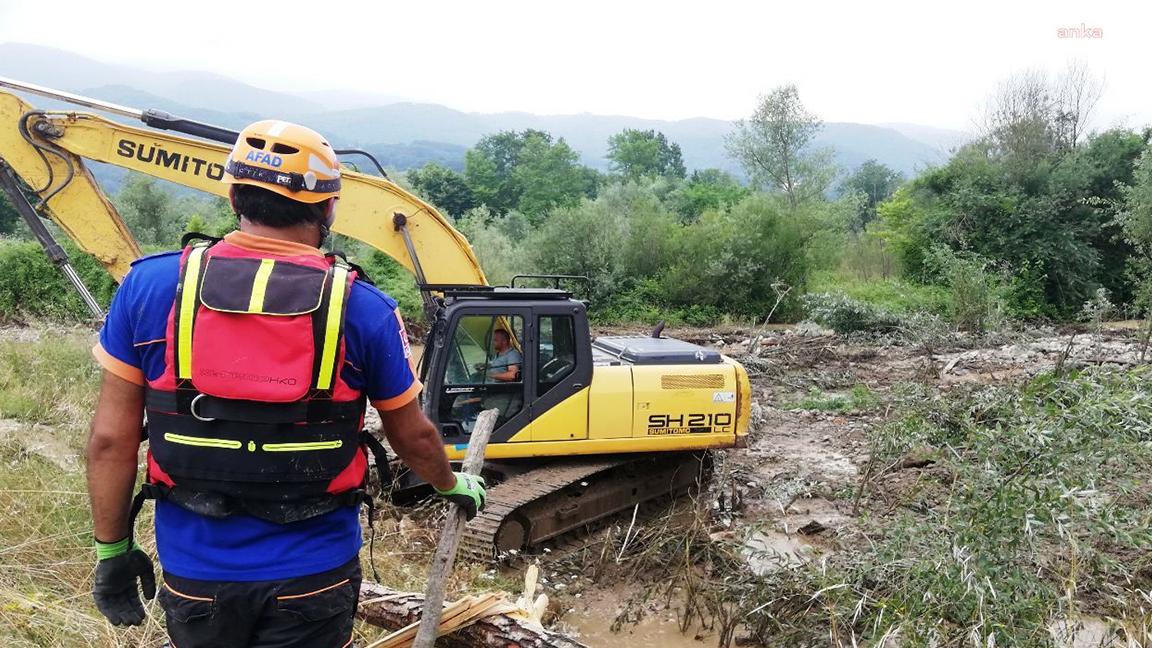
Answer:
(268, 208)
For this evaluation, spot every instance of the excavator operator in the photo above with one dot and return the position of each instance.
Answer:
(505, 366)
(254, 357)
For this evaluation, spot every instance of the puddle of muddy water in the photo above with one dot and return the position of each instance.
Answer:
(768, 551)
(591, 624)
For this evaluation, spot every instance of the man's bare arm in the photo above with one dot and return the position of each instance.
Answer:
(113, 446)
(418, 444)
(509, 375)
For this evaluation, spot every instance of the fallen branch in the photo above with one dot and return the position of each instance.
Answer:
(394, 610)
(441, 567)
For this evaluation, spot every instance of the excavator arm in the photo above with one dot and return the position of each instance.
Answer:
(47, 151)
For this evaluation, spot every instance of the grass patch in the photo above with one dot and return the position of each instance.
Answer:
(48, 377)
(891, 294)
(46, 552)
(859, 399)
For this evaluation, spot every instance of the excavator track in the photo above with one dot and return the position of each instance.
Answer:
(546, 502)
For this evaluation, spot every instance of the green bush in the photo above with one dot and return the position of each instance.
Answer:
(1050, 219)
(846, 315)
(496, 242)
(975, 291)
(735, 261)
(32, 287)
(645, 303)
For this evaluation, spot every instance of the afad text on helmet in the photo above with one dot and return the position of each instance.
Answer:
(260, 157)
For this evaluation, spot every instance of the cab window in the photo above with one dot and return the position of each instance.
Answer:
(484, 370)
(557, 352)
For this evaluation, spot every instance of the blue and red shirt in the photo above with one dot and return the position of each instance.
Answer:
(377, 362)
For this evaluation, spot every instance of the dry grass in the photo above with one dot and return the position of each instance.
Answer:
(48, 376)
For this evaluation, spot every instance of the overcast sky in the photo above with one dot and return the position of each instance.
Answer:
(872, 62)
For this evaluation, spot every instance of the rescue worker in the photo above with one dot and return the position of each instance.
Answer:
(254, 357)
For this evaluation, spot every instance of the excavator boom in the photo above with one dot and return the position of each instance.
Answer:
(47, 150)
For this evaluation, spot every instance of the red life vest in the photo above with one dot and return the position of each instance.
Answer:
(251, 415)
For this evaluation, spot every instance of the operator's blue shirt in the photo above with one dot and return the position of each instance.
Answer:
(242, 548)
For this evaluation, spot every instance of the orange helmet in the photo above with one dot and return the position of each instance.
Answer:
(291, 160)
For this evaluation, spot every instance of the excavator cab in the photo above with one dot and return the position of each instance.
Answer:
(547, 359)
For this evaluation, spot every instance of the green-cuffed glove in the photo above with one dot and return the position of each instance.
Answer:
(468, 493)
(115, 590)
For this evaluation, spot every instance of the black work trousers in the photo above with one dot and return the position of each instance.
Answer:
(308, 612)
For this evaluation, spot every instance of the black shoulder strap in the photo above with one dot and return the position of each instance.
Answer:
(188, 237)
(360, 274)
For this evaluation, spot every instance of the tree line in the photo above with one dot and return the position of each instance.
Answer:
(1036, 217)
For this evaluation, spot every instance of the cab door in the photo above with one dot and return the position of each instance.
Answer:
(562, 375)
(471, 373)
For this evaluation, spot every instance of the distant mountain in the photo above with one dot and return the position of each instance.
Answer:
(941, 139)
(350, 99)
(407, 134)
(701, 140)
(67, 71)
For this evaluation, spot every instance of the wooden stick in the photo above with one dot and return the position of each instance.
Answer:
(441, 567)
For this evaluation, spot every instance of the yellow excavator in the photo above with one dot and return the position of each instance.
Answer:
(589, 426)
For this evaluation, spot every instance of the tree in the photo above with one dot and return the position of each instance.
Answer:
(706, 189)
(489, 167)
(1136, 219)
(635, 154)
(147, 209)
(442, 187)
(550, 176)
(875, 182)
(1077, 93)
(1032, 115)
(526, 171)
(774, 147)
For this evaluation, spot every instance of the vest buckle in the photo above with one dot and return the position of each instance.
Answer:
(195, 414)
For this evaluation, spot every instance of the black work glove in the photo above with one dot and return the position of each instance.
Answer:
(117, 598)
(468, 493)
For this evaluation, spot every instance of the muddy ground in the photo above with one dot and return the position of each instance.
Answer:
(809, 442)
(816, 396)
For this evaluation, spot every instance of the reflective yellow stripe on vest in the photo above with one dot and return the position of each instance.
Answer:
(226, 444)
(332, 327)
(188, 304)
(303, 446)
(260, 286)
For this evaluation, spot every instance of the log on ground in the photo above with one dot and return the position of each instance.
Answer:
(393, 610)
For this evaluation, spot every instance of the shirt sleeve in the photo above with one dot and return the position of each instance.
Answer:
(390, 380)
(116, 351)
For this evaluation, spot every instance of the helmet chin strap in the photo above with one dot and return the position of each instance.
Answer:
(326, 226)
